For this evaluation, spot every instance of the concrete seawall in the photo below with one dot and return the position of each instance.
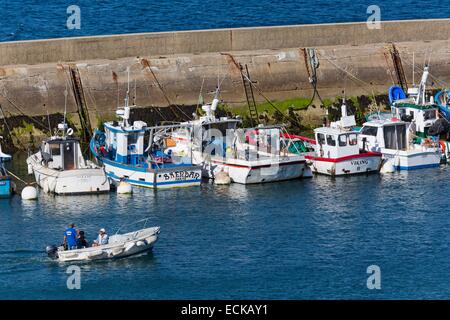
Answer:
(219, 40)
(34, 74)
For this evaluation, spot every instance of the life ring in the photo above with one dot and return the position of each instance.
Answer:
(69, 131)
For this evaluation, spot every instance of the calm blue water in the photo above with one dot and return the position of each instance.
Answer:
(293, 240)
(301, 239)
(30, 19)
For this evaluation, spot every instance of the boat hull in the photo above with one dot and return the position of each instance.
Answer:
(413, 159)
(156, 179)
(69, 182)
(253, 172)
(363, 163)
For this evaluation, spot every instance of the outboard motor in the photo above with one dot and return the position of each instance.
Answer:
(52, 251)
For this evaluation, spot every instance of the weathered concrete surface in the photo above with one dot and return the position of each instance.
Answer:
(34, 74)
(241, 39)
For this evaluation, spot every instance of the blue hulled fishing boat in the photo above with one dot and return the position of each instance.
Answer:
(121, 150)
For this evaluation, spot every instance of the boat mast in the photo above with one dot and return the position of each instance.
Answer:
(420, 99)
(125, 112)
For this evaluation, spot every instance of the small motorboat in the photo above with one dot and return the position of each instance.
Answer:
(120, 245)
(6, 185)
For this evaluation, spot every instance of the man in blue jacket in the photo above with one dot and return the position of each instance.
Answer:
(70, 237)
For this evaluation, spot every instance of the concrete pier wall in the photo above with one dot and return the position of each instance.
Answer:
(34, 74)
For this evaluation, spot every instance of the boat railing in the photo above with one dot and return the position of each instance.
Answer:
(145, 221)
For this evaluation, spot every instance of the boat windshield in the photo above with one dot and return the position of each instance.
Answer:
(369, 131)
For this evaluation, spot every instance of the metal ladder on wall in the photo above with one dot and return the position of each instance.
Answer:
(248, 88)
(80, 100)
(398, 67)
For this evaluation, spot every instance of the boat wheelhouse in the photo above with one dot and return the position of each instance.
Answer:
(121, 150)
(6, 185)
(398, 144)
(337, 151)
(60, 168)
(415, 107)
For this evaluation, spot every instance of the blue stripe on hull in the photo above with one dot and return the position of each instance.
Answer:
(150, 184)
(423, 166)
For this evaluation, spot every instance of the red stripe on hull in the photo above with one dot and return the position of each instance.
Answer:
(356, 156)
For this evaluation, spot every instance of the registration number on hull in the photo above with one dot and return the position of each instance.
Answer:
(180, 176)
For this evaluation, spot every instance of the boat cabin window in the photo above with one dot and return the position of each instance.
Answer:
(321, 138)
(55, 149)
(353, 139)
(2, 172)
(133, 138)
(331, 140)
(342, 140)
(369, 131)
(395, 137)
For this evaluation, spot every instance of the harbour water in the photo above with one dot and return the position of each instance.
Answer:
(28, 19)
(301, 239)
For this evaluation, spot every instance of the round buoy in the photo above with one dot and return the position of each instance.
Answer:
(388, 167)
(222, 178)
(124, 188)
(29, 193)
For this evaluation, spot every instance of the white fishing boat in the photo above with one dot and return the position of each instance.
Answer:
(411, 107)
(60, 168)
(247, 156)
(337, 151)
(415, 107)
(396, 140)
(120, 245)
(121, 150)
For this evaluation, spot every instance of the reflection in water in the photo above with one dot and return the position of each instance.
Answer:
(280, 240)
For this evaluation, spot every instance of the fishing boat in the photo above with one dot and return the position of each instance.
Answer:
(413, 107)
(120, 245)
(399, 145)
(120, 149)
(247, 156)
(6, 185)
(60, 168)
(337, 151)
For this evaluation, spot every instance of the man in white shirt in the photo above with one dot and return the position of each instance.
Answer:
(102, 238)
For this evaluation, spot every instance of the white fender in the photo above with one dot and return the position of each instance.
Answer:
(140, 243)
